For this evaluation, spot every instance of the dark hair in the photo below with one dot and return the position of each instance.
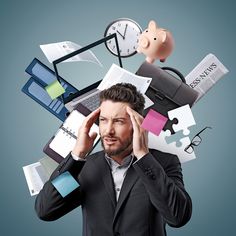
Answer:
(124, 92)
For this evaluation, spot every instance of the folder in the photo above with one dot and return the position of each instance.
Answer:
(35, 88)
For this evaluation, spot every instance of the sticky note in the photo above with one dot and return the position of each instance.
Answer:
(55, 89)
(154, 122)
(65, 183)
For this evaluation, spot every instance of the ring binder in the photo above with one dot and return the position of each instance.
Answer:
(62, 143)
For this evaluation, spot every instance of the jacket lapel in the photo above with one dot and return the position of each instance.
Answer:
(129, 181)
(106, 175)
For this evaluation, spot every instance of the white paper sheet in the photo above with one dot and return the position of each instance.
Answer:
(117, 74)
(35, 177)
(53, 51)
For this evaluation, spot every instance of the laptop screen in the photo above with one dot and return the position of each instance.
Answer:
(87, 66)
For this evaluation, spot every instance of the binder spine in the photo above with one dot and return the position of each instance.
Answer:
(69, 132)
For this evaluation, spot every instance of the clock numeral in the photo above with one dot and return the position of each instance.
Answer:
(120, 50)
(134, 47)
(113, 27)
(119, 24)
(109, 41)
(113, 47)
(128, 50)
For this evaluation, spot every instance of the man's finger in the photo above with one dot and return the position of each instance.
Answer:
(133, 120)
(93, 136)
(137, 116)
(91, 118)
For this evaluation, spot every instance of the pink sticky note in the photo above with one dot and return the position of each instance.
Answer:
(154, 122)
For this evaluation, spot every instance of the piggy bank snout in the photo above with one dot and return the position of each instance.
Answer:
(144, 42)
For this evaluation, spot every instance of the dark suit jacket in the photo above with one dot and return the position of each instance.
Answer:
(152, 195)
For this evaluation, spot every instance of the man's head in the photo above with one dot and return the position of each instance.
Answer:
(125, 93)
(115, 126)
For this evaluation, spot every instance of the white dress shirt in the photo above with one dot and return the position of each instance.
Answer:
(119, 171)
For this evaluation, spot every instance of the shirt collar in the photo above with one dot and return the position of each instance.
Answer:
(126, 162)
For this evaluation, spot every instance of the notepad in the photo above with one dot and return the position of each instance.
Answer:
(65, 139)
(65, 183)
(154, 122)
(55, 89)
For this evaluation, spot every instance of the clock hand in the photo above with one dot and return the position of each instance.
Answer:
(120, 34)
(125, 30)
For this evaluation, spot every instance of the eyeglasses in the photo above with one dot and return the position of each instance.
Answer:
(196, 140)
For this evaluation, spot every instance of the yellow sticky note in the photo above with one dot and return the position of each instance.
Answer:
(55, 89)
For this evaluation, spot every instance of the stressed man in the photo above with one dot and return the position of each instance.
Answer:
(126, 189)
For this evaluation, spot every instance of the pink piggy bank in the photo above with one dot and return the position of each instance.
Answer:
(155, 43)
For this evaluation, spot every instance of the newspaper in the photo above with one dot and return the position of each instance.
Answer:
(206, 74)
(53, 51)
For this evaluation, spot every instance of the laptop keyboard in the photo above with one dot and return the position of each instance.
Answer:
(92, 103)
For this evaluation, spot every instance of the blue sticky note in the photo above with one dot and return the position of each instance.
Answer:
(65, 183)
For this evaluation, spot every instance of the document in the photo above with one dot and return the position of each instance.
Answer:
(117, 74)
(35, 176)
(54, 51)
(206, 74)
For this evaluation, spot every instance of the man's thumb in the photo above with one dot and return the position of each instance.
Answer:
(93, 136)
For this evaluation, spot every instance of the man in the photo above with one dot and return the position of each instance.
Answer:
(126, 189)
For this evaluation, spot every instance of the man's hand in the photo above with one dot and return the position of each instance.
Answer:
(140, 135)
(85, 140)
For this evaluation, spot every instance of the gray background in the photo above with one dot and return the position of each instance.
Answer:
(199, 27)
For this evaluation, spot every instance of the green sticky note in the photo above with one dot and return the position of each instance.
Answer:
(55, 89)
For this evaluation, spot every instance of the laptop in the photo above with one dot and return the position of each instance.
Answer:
(88, 76)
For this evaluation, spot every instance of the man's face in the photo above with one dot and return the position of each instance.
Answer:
(115, 128)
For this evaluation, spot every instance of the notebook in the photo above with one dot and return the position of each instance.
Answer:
(62, 143)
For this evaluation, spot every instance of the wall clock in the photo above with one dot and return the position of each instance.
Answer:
(128, 32)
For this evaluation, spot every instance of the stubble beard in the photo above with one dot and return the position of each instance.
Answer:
(124, 147)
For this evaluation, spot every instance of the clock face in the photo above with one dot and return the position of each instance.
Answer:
(127, 32)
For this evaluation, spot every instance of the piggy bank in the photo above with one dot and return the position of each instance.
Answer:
(155, 43)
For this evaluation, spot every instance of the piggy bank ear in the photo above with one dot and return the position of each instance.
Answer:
(162, 36)
(152, 25)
